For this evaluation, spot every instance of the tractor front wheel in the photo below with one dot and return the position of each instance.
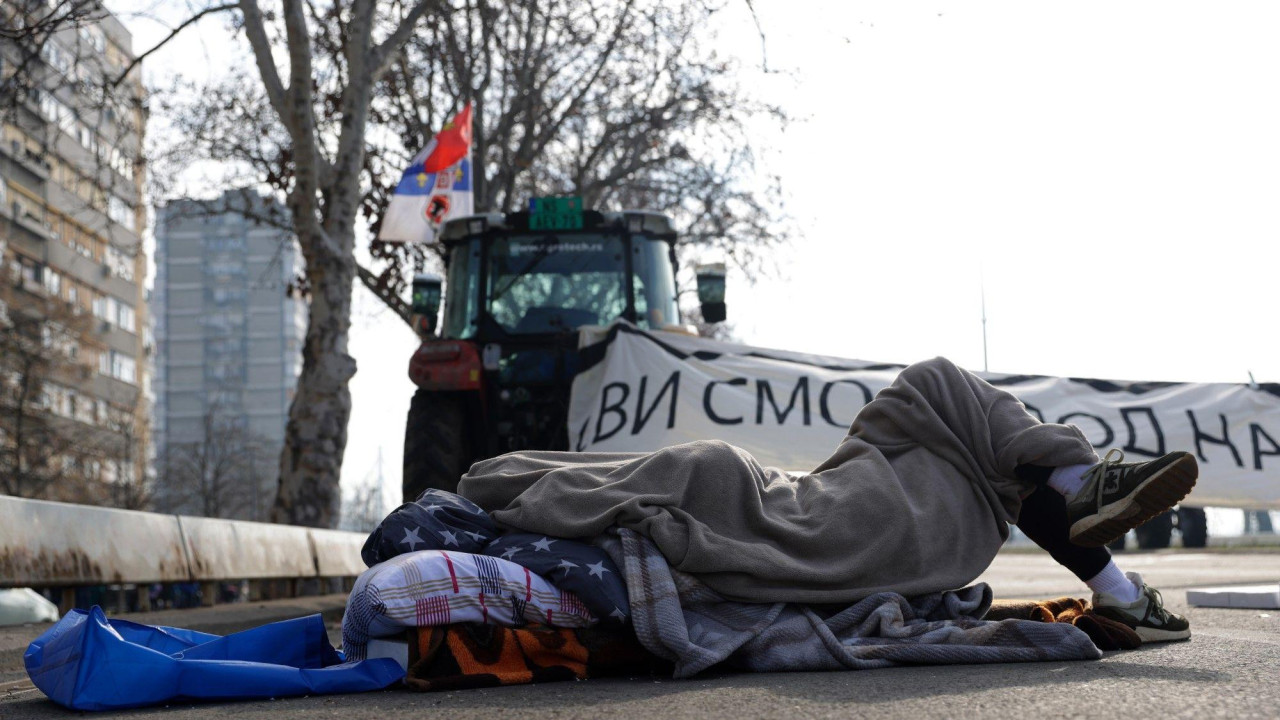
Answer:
(437, 448)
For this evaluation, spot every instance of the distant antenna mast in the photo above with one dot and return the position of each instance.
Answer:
(982, 288)
(382, 497)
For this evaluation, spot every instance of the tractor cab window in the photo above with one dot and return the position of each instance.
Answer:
(545, 284)
(463, 282)
(655, 283)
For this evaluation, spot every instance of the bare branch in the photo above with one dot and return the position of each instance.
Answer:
(381, 56)
(172, 34)
(256, 32)
(380, 289)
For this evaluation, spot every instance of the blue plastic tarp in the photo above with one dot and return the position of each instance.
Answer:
(88, 662)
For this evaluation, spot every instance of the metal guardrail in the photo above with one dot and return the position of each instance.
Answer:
(47, 544)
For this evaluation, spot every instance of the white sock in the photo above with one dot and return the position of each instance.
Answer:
(1114, 583)
(1068, 479)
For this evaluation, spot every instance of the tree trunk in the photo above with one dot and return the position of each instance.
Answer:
(316, 434)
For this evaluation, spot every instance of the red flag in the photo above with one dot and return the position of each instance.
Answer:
(452, 143)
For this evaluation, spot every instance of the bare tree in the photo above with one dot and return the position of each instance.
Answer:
(47, 447)
(220, 474)
(363, 506)
(130, 484)
(620, 101)
(299, 124)
(624, 102)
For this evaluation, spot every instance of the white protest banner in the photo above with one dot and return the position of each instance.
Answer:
(640, 391)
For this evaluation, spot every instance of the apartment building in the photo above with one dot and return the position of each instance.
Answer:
(74, 421)
(229, 351)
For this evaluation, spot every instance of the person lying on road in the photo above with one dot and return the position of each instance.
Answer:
(917, 498)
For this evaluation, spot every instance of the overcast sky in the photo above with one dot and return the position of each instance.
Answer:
(1109, 172)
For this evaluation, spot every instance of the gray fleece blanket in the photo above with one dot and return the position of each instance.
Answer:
(679, 618)
(916, 500)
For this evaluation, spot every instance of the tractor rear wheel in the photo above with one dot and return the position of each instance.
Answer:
(1193, 525)
(437, 449)
(1155, 533)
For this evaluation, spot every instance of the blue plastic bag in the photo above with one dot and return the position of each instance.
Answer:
(88, 662)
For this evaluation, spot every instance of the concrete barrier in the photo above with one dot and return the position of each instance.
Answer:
(48, 544)
(236, 549)
(337, 553)
(51, 544)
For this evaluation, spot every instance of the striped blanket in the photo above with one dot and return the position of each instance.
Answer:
(679, 618)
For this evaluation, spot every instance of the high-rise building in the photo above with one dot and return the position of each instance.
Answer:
(73, 414)
(229, 340)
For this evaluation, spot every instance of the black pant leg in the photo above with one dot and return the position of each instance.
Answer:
(1044, 520)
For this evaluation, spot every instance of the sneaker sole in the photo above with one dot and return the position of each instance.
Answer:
(1164, 489)
(1155, 635)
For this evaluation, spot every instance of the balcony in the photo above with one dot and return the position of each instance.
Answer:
(24, 218)
(34, 161)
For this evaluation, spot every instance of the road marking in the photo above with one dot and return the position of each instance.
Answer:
(17, 686)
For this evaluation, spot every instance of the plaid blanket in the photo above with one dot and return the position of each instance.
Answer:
(681, 619)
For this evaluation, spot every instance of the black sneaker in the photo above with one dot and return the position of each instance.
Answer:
(1146, 615)
(1119, 496)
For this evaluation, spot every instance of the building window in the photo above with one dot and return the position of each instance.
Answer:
(94, 38)
(120, 211)
(57, 112)
(115, 312)
(125, 317)
(102, 307)
(223, 269)
(87, 137)
(29, 272)
(52, 282)
(124, 368)
(119, 366)
(120, 264)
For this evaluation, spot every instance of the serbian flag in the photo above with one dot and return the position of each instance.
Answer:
(437, 186)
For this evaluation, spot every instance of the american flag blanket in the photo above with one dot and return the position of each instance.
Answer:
(679, 618)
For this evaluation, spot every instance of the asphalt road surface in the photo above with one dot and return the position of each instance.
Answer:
(1230, 669)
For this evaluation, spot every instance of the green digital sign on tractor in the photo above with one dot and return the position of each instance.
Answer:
(496, 363)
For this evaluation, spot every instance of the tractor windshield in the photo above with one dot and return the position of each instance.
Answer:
(543, 284)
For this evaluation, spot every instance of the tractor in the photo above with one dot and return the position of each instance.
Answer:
(495, 375)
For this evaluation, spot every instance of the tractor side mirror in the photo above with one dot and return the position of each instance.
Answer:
(711, 292)
(426, 303)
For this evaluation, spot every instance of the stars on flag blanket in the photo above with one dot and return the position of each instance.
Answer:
(440, 520)
(582, 569)
(437, 520)
(411, 538)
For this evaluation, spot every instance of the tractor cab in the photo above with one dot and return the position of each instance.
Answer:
(496, 376)
(510, 280)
